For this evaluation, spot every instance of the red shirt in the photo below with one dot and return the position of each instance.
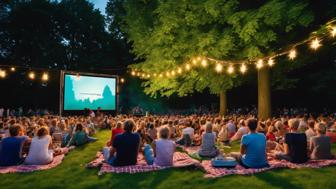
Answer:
(115, 132)
(270, 136)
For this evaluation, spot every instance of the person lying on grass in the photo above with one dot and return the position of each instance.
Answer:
(253, 148)
(125, 147)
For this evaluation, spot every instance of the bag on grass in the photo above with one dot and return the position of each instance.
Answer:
(228, 162)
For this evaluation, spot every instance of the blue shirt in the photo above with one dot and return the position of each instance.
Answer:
(127, 147)
(10, 150)
(255, 145)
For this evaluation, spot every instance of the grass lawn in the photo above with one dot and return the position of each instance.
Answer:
(73, 174)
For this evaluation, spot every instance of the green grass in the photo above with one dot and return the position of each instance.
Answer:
(73, 174)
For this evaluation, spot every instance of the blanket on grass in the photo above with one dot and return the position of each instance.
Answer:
(180, 160)
(212, 172)
(31, 168)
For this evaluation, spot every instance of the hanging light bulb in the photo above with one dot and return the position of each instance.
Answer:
(204, 63)
(194, 61)
(187, 67)
(270, 62)
(243, 68)
(12, 69)
(333, 31)
(45, 77)
(154, 74)
(315, 44)
(167, 74)
(292, 54)
(230, 69)
(179, 70)
(3, 73)
(148, 75)
(143, 75)
(122, 80)
(173, 73)
(133, 73)
(219, 67)
(160, 75)
(138, 74)
(199, 58)
(31, 75)
(260, 64)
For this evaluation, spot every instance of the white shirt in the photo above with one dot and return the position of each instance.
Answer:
(188, 131)
(39, 153)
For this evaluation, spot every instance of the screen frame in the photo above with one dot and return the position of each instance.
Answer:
(76, 112)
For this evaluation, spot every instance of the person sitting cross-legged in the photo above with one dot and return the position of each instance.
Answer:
(11, 147)
(253, 148)
(125, 147)
(295, 144)
(320, 146)
(208, 147)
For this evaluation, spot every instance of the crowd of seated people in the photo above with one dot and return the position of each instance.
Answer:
(36, 140)
(293, 138)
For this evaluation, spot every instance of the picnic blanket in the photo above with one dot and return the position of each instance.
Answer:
(31, 168)
(179, 160)
(212, 172)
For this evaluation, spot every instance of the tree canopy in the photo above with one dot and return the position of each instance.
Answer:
(166, 34)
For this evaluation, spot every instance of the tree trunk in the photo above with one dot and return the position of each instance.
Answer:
(222, 103)
(264, 94)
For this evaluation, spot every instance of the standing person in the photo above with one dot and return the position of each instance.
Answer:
(253, 148)
(40, 152)
(125, 148)
(11, 147)
(295, 144)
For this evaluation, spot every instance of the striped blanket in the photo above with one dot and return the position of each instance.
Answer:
(212, 172)
(180, 160)
(30, 168)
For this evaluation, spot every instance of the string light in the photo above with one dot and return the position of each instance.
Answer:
(333, 31)
(198, 58)
(187, 67)
(143, 75)
(3, 73)
(230, 69)
(194, 61)
(292, 54)
(148, 75)
(160, 75)
(179, 70)
(270, 62)
(155, 74)
(167, 74)
(204, 63)
(173, 73)
(122, 80)
(12, 69)
(31, 75)
(219, 68)
(138, 74)
(260, 64)
(315, 44)
(45, 77)
(133, 73)
(243, 68)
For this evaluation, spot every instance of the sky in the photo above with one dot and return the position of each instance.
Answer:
(99, 4)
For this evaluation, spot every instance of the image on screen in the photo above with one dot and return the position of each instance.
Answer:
(91, 92)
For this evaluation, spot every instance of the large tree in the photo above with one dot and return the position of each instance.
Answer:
(167, 34)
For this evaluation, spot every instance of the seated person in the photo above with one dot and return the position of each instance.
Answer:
(320, 147)
(40, 152)
(208, 148)
(187, 135)
(310, 131)
(295, 144)
(125, 148)
(163, 148)
(243, 130)
(253, 148)
(117, 130)
(11, 147)
(80, 137)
